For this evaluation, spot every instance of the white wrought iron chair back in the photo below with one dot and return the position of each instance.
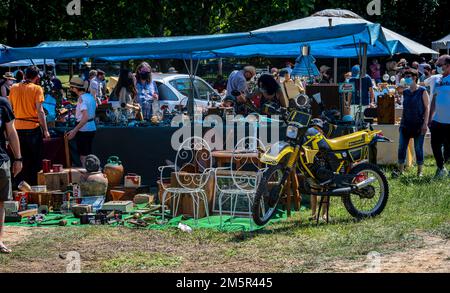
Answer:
(240, 180)
(193, 170)
(245, 167)
(193, 164)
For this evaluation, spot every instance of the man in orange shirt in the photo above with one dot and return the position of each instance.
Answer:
(26, 99)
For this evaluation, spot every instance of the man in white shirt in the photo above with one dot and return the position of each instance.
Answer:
(439, 121)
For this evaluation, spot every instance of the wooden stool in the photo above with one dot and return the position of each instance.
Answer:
(292, 186)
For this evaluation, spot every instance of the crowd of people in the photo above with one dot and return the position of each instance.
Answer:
(423, 92)
(424, 89)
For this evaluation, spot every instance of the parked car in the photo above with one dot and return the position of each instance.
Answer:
(174, 89)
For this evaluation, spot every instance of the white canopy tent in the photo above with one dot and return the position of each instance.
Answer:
(442, 44)
(332, 17)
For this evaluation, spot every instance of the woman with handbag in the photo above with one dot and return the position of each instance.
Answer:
(416, 107)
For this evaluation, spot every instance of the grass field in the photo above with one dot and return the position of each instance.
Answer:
(411, 235)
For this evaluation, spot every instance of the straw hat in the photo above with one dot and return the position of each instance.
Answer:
(250, 69)
(324, 68)
(77, 82)
(9, 75)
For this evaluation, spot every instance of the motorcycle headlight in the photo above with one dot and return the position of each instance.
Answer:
(292, 132)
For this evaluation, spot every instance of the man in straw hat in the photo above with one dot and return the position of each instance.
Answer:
(26, 99)
(7, 84)
(84, 131)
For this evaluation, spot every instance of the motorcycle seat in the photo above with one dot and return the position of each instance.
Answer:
(349, 141)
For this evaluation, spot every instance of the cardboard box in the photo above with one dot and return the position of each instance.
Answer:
(121, 206)
(11, 207)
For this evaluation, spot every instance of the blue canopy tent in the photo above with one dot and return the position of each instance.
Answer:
(200, 46)
(330, 47)
(333, 37)
(28, 62)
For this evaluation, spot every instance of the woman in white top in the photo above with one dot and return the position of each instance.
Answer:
(84, 131)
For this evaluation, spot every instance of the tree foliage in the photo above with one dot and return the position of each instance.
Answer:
(28, 22)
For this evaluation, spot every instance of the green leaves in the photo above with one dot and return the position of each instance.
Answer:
(27, 22)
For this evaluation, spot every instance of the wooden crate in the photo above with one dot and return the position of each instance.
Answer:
(53, 200)
(60, 180)
(54, 181)
(130, 192)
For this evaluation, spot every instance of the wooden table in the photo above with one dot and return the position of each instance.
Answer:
(225, 157)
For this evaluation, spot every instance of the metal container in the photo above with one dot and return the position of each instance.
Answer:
(46, 166)
(114, 171)
(93, 184)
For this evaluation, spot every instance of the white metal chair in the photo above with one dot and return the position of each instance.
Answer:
(235, 183)
(192, 171)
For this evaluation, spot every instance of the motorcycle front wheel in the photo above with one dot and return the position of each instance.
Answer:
(369, 201)
(269, 193)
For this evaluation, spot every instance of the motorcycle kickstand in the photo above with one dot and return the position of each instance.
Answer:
(322, 201)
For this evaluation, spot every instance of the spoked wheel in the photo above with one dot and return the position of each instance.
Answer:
(268, 195)
(371, 200)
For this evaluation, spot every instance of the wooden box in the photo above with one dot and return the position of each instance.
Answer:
(386, 110)
(60, 180)
(54, 181)
(329, 94)
(53, 200)
(130, 192)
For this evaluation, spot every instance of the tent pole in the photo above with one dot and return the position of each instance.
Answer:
(335, 70)
(192, 95)
(220, 65)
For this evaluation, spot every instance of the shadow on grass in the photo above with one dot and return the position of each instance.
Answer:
(290, 226)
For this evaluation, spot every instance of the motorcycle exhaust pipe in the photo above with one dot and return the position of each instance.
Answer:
(341, 191)
(365, 183)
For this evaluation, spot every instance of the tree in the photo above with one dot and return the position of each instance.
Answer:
(28, 22)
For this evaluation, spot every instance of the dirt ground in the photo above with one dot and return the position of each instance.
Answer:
(432, 256)
(16, 235)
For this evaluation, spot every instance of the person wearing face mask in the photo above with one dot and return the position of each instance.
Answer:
(147, 90)
(426, 74)
(375, 71)
(84, 131)
(440, 116)
(237, 81)
(430, 81)
(8, 83)
(414, 120)
(26, 100)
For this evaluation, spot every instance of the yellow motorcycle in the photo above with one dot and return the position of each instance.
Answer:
(327, 167)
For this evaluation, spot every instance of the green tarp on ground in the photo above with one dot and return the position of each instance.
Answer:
(213, 222)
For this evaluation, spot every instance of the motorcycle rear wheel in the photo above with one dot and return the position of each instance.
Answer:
(375, 196)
